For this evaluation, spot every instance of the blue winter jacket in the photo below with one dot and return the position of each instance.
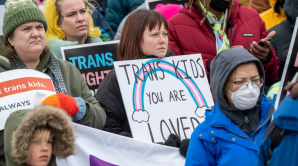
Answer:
(286, 154)
(217, 141)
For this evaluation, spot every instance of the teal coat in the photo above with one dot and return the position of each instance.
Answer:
(117, 9)
(56, 44)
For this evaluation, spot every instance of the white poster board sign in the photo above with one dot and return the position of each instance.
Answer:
(22, 89)
(163, 96)
(99, 148)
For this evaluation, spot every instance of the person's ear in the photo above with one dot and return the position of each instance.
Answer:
(10, 39)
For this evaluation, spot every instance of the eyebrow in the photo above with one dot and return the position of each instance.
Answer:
(74, 11)
(255, 76)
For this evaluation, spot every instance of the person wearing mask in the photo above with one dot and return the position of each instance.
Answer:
(233, 129)
(280, 146)
(69, 24)
(23, 46)
(210, 26)
(36, 137)
(275, 15)
(136, 42)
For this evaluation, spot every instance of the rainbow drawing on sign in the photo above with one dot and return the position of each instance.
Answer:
(139, 87)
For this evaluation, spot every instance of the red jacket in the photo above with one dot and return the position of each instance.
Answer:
(187, 36)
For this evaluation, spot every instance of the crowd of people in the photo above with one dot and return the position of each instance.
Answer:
(240, 61)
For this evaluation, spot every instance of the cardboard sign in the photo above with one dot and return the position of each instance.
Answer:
(94, 61)
(99, 148)
(290, 71)
(22, 89)
(163, 96)
(151, 4)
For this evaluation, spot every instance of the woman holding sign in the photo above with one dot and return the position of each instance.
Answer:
(234, 127)
(69, 24)
(147, 40)
(24, 43)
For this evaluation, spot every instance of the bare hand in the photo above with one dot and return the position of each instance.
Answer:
(259, 51)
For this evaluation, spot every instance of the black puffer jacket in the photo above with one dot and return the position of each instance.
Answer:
(281, 41)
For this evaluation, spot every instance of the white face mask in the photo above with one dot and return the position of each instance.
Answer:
(245, 98)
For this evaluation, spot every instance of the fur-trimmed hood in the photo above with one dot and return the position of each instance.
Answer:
(44, 116)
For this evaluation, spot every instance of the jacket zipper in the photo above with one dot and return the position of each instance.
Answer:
(232, 33)
(209, 26)
(267, 119)
(230, 131)
(206, 22)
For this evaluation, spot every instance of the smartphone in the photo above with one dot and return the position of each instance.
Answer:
(261, 43)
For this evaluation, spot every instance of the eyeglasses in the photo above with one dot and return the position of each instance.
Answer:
(255, 83)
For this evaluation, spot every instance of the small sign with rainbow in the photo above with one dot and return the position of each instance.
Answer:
(164, 96)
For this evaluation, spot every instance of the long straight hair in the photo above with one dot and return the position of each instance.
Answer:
(132, 33)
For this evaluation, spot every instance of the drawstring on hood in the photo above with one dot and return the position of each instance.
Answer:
(223, 65)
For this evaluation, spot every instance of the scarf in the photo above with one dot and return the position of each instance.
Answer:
(222, 41)
(49, 65)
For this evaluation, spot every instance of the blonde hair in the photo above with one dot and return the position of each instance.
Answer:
(41, 134)
(206, 4)
(52, 14)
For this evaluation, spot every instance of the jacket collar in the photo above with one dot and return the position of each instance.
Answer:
(222, 127)
(195, 12)
(221, 120)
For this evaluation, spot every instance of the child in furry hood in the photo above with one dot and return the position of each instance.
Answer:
(25, 129)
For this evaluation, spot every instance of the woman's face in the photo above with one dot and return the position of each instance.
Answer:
(29, 40)
(155, 42)
(40, 152)
(244, 72)
(74, 19)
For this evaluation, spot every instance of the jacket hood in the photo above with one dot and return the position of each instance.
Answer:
(195, 11)
(224, 64)
(44, 116)
(286, 116)
(291, 11)
(272, 2)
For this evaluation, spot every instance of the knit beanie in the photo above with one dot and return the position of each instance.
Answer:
(168, 10)
(18, 12)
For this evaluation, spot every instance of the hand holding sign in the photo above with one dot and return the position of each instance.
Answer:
(22, 89)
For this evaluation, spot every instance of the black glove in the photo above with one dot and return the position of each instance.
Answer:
(173, 141)
(184, 146)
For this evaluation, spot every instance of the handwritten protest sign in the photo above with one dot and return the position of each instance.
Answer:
(22, 89)
(163, 96)
(290, 71)
(151, 4)
(94, 61)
